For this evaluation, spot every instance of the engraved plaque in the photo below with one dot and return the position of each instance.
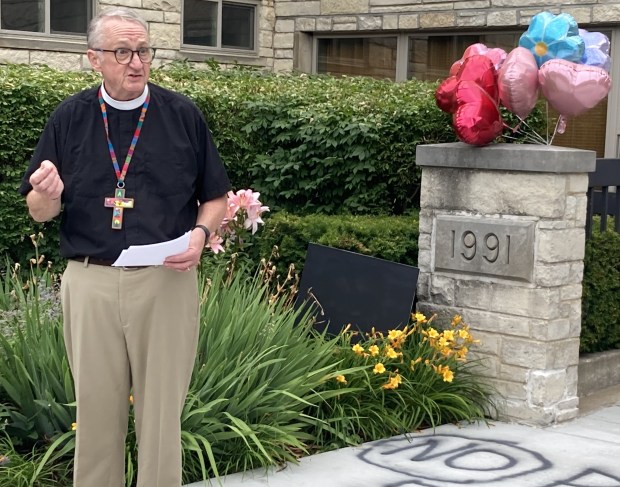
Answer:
(488, 246)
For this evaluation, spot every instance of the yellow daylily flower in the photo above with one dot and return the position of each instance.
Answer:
(394, 382)
(391, 353)
(419, 317)
(379, 368)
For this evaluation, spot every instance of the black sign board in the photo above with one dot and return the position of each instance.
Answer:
(343, 287)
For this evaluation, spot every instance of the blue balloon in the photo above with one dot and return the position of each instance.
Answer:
(553, 37)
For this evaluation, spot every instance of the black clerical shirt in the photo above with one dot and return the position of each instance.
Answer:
(175, 166)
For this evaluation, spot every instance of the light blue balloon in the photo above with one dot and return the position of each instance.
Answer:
(553, 37)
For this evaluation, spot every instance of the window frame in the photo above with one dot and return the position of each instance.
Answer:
(47, 34)
(357, 35)
(46, 41)
(218, 49)
(387, 35)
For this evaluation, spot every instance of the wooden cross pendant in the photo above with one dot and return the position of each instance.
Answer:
(118, 203)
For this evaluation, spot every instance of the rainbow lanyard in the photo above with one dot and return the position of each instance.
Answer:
(119, 202)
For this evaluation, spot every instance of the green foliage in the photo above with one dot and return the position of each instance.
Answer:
(317, 143)
(31, 469)
(264, 388)
(407, 379)
(308, 143)
(600, 328)
(393, 238)
(37, 386)
(258, 368)
(29, 95)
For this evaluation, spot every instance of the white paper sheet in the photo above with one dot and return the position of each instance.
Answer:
(153, 254)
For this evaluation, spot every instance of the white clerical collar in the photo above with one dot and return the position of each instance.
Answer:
(125, 105)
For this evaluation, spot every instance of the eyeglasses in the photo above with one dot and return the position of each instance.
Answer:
(125, 56)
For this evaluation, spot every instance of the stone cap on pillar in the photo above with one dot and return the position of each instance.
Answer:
(507, 157)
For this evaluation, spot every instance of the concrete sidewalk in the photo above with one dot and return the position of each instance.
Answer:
(584, 452)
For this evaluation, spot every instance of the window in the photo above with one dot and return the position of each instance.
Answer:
(358, 56)
(219, 24)
(46, 16)
(430, 57)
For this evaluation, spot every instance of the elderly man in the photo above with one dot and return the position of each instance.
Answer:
(128, 163)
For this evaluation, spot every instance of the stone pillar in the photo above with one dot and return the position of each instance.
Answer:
(502, 243)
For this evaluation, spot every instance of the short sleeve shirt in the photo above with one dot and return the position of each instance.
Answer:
(174, 168)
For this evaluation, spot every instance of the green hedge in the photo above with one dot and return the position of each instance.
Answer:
(393, 238)
(600, 319)
(309, 144)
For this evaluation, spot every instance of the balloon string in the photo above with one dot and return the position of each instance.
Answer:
(555, 130)
(530, 135)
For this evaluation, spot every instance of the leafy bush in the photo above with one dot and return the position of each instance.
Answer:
(600, 321)
(318, 143)
(259, 366)
(393, 238)
(307, 143)
(410, 378)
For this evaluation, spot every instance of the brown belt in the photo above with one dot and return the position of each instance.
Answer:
(104, 262)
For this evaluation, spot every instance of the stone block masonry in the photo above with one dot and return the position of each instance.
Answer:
(395, 16)
(502, 243)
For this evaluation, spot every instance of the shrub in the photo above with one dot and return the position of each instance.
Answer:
(411, 378)
(600, 328)
(258, 367)
(308, 143)
(393, 238)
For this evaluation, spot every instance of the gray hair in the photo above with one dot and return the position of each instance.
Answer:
(95, 29)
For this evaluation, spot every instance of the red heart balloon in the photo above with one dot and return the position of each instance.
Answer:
(480, 69)
(444, 95)
(477, 68)
(477, 120)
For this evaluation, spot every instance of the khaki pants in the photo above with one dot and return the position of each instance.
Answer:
(129, 330)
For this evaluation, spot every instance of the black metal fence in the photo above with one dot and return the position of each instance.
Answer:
(603, 197)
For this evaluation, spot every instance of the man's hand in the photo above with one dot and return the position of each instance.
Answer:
(46, 181)
(210, 214)
(47, 187)
(191, 257)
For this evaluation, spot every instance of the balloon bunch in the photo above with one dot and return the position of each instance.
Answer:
(568, 65)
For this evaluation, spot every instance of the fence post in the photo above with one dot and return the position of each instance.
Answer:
(502, 242)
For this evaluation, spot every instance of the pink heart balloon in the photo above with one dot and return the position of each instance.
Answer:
(573, 89)
(518, 82)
